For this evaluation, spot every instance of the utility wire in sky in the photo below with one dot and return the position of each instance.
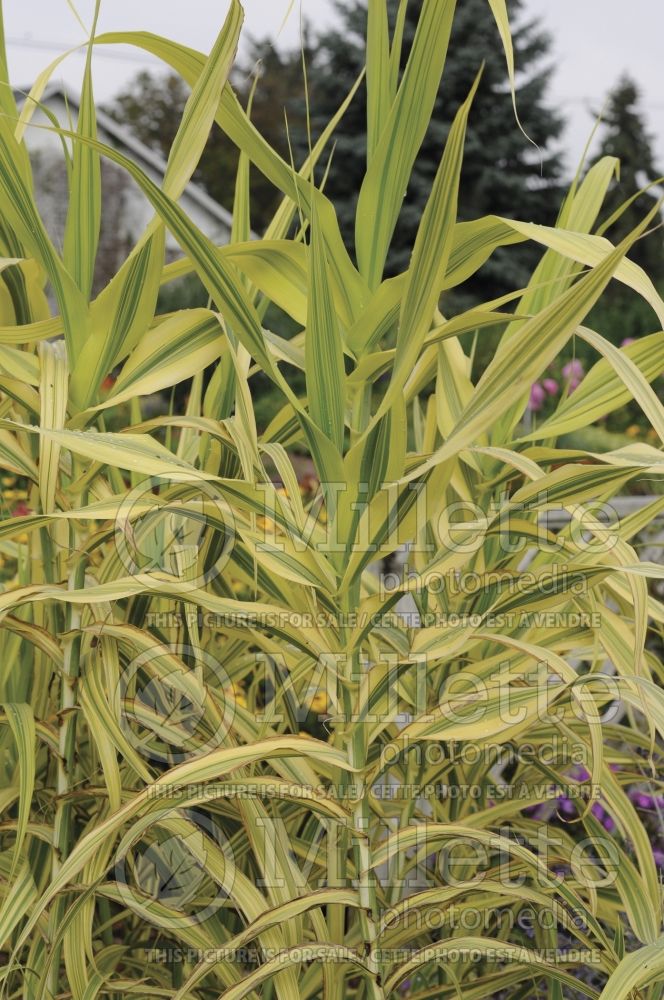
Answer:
(38, 43)
(103, 53)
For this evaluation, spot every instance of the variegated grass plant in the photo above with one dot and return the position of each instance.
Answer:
(236, 762)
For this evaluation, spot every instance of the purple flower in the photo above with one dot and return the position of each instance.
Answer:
(537, 397)
(573, 373)
(536, 812)
(644, 801)
(658, 857)
(550, 385)
(573, 369)
(627, 341)
(602, 815)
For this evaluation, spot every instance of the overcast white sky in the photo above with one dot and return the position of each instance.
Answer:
(594, 41)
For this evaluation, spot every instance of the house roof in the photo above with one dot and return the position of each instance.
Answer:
(122, 136)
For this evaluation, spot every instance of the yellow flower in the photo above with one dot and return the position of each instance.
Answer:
(319, 702)
(266, 523)
(237, 694)
(8, 480)
(633, 431)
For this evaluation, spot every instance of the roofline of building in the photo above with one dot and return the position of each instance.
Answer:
(123, 136)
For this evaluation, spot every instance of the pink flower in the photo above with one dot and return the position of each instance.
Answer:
(573, 373)
(537, 397)
(627, 341)
(550, 385)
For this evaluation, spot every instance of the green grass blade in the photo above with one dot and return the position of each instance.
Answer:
(84, 211)
(387, 178)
